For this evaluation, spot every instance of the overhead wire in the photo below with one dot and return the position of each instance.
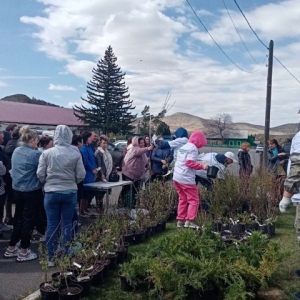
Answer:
(238, 31)
(218, 44)
(235, 1)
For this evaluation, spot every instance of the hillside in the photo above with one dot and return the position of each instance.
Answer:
(25, 99)
(191, 122)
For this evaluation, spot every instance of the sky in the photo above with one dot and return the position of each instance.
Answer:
(49, 48)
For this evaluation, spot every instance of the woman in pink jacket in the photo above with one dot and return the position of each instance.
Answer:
(184, 179)
(133, 169)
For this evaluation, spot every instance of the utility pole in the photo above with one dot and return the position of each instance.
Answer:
(150, 128)
(268, 101)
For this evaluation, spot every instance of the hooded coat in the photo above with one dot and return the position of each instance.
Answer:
(60, 167)
(135, 161)
(181, 138)
(186, 163)
(159, 154)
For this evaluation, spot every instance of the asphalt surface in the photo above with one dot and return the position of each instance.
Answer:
(18, 280)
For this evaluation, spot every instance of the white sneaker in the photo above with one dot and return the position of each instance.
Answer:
(180, 224)
(189, 224)
(51, 264)
(5, 227)
(26, 257)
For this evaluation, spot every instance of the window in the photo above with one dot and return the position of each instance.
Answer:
(230, 143)
(239, 143)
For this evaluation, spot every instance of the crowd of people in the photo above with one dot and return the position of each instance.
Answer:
(44, 177)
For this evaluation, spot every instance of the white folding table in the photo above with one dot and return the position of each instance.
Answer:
(106, 186)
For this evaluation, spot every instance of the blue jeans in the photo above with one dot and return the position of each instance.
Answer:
(59, 209)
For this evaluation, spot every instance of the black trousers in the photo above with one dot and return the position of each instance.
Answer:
(2, 203)
(28, 208)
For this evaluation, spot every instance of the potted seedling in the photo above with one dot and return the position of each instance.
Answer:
(48, 290)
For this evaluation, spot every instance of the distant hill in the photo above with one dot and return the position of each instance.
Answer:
(191, 122)
(25, 99)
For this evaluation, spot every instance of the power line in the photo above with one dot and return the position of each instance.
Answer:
(217, 43)
(264, 43)
(238, 32)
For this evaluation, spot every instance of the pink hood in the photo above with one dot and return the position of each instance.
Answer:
(198, 139)
(135, 142)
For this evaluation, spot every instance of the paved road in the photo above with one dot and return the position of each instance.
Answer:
(19, 279)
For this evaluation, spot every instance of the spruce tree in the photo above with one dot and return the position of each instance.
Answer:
(109, 101)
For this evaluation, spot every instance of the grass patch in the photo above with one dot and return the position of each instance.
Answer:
(283, 285)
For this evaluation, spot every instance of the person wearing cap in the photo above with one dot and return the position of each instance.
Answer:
(221, 161)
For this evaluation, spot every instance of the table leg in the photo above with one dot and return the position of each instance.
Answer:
(107, 200)
(130, 198)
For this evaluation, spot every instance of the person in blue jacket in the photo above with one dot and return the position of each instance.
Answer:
(180, 139)
(90, 166)
(160, 159)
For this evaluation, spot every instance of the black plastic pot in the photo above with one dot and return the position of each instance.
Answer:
(164, 225)
(125, 286)
(148, 232)
(159, 227)
(216, 227)
(128, 238)
(263, 228)
(153, 229)
(212, 172)
(48, 294)
(106, 264)
(113, 261)
(139, 237)
(297, 296)
(206, 294)
(97, 275)
(121, 255)
(271, 229)
(85, 285)
(224, 227)
(126, 245)
(236, 229)
(251, 227)
(74, 288)
(56, 277)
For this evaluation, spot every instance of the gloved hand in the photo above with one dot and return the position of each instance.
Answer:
(284, 204)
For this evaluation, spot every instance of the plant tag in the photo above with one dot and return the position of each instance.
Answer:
(77, 265)
(95, 253)
(103, 252)
(111, 253)
(99, 245)
(90, 268)
(83, 278)
(116, 244)
(68, 273)
(107, 230)
(133, 238)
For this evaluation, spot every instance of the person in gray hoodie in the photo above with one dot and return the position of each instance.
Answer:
(60, 169)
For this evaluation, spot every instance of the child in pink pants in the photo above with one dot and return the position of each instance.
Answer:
(184, 179)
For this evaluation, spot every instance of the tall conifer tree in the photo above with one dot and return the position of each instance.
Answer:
(109, 101)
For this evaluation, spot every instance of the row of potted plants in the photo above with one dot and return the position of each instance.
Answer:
(103, 244)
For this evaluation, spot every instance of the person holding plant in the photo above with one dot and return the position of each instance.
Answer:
(246, 167)
(134, 168)
(160, 160)
(61, 169)
(28, 195)
(184, 179)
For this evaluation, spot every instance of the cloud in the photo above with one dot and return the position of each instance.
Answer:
(54, 87)
(24, 77)
(3, 84)
(163, 48)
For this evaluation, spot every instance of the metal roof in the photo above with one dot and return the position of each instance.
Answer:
(25, 113)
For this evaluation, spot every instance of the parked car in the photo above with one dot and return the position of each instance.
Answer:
(259, 148)
(116, 151)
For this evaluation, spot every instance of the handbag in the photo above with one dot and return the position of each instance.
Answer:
(114, 177)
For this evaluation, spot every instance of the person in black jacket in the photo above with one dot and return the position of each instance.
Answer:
(246, 167)
(10, 147)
